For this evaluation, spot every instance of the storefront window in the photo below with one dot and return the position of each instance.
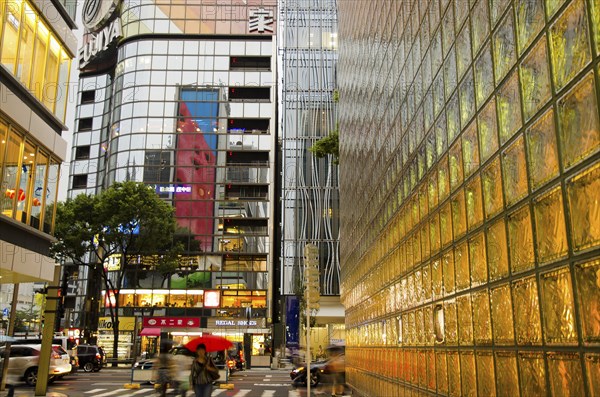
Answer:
(37, 203)
(25, 182)
(62, 85)
(11, 174)
(10, 37)
(51, 191)
(27, 41)
(3, 131)
(51, 75)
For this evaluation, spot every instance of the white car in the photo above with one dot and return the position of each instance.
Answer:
(24, 360)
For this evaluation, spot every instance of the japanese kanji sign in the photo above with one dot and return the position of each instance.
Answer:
(172, 322)
(260, 21)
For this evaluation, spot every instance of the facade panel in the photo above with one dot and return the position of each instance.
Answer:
(468, 232)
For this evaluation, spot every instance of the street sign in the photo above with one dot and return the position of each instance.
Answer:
(5, 312)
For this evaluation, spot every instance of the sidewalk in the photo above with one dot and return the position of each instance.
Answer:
(30, 393)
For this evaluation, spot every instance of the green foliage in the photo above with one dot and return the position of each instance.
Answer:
(127, 219)
(329, 145)
(336, 96)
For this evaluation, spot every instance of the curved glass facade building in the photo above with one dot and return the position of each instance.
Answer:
(470, 238)
(182, 97)
(309, 186)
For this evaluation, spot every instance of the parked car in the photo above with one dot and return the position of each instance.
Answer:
(90, 357)
(24, 360)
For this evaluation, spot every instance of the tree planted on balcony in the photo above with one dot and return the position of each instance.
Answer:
(329, 145)
(109, 231)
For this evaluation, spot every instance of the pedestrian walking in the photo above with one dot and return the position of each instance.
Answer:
(204, 373)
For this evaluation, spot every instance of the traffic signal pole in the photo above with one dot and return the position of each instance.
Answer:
(47, 334)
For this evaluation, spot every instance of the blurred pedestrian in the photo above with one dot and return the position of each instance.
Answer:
(204, 373)
(166, 370)
(337, 367)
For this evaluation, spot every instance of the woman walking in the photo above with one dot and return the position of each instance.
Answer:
(204, 373)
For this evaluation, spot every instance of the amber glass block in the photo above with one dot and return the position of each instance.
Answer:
(446, 224)
(463, 50)
(491, 178)
(437, 278)
(434, 233)
(585, 208)
(416, 244)
(429, 336)
(569, 43)
(442, 372)
(431, 372)
(448, 35)
(452, 119)
(579, 129)
(550, 226)
(542, 150)
(423, 201)
(419, 327)
(477, 259)
(535, 77)
(467, 370)
(465, 321)
(595, 7)
(587, 277)
(520, 237)
(504, 48)
(414, 205)
(426, 282)
(592, 365)
(480, 24)
(552, 6)
(566, 378)
(497, 250)
(533, 374)
(486, 381)
(425, 248)
(470, 149)
(502, 315)
(441, 142)
(443, 178)
(528, 328)
(514, 171)
(448, 266)
(509, 108)
(450, 323)
(432, 187)
(461, 260)
(474, 202)
(421, 368)
(507, 381)
(558, 307)
(454, 373)
(458, 214)
(467, 100)
(418, 287)
(530, 20)
(488, 130)
(484, 76)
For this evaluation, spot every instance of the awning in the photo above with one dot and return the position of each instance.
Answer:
(150, 332)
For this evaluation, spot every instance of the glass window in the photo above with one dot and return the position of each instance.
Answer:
(3, 145)
(51, 192)
(504, 48)
(12, 165)
(520, 237)
(49, 93)
(10, 36)
(588, 296)
(530, 20)
(41, 53)
(39, 188)
(558, 308)
(25, 61)
(502, 315)
(25, 182)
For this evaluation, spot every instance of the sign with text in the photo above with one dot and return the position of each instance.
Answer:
(172, 322)
(236, 323)
(125, 323)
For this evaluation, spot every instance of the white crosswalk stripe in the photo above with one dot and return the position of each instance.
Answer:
(243, 392)
(94, 391)
(113, 393)
(268, 393)
(216, 392)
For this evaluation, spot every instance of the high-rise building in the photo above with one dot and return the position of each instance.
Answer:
(309, 186)
(469, 174)
(181, 96)
(36, 48)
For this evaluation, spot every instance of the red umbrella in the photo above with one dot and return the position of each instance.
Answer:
(213, 343)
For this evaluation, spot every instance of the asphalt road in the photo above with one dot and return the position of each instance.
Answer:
(109, 382)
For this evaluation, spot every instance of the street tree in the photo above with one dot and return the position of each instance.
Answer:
(115, 227)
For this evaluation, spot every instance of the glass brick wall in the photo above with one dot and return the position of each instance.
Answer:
(471, 230)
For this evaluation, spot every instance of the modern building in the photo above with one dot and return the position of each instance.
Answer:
(309, 190)
(36, 48)
(181, 96)
(469, 174)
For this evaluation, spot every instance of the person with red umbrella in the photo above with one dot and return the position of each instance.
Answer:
(204, 372)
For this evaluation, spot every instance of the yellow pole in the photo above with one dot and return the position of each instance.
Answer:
(48, 334)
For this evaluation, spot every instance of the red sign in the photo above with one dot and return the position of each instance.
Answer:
(172, 322)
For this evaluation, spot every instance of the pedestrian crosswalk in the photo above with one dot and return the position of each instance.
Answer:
(99, 392)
